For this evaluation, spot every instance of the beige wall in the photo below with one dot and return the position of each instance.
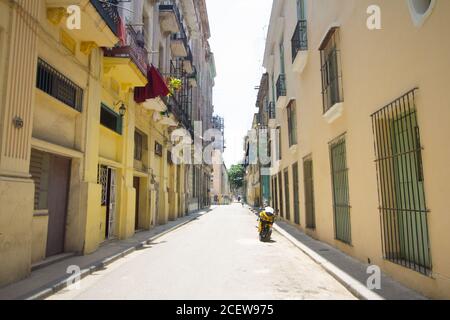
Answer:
(378, 67)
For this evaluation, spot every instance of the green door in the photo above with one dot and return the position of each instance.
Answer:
(409, 191)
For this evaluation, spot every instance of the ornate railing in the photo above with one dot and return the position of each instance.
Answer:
(281, 85)
(300, 38)
(180, 102)
(133, 49)
(271, 110)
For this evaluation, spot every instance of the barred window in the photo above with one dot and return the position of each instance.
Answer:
(341, 199)
(54, 83)
(292, 123)
(296, 193)
(138, 145)
(401, 189)
(286, 195)
(309, 193)
(332, 91)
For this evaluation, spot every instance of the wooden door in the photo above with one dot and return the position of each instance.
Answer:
(58, 191)
(136, 187)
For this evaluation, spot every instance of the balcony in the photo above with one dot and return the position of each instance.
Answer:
(272, 115)
(178, 45)
(180, 102)
(281, 91)
(100, 21)
(300, 46)
(193, 78)
(187, 63)
(169, 17)
(128, 62)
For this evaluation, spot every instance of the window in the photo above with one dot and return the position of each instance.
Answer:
(58, 86)
(138, 145)
(278, 144)
(280, 189)
(110, 119)
(286, 195)
(332, 91)
(39, 170)
(275, 193)
(158, 149)
(402, 204)
(301, 10)
(341, 204)
(296, 193)
(292, 123)
(309, 193)
(282, 64)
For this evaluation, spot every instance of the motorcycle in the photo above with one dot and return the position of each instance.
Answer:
(266, 220)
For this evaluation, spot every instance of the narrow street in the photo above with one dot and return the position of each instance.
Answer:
(216, 257)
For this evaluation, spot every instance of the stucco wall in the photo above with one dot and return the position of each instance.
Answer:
(378, 67)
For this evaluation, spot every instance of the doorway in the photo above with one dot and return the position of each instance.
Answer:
(107, 178)
(136, 183)
(58, 192)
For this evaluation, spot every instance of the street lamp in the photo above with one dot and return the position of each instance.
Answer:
(122, 109)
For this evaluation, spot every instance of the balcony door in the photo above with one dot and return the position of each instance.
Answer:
(301, 10)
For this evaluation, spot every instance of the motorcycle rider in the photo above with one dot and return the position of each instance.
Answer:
(266, 220)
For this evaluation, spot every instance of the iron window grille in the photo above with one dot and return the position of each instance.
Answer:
(309, 193)
(102, 179)
(281, 86)
(299, 41)
(110, 119)
(296, 193)
(292, 123)
(331, 70)
(55, 84)
(402, 205)
(286, 195)
(341, 199)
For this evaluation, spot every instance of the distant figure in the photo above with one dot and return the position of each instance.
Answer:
(239, 199)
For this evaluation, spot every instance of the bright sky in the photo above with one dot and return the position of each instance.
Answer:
(238, 32)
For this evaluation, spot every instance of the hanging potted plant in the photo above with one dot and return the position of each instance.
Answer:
(174, 84)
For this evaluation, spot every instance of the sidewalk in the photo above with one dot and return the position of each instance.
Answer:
(47, 280)
(350, 272)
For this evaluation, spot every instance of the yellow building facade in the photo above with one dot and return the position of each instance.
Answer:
(82, 162)
(360, 99)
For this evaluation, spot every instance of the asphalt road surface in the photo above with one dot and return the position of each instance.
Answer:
(217, 256)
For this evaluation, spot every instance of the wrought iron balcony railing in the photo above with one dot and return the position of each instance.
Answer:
(180, 101)
(281, 85)
(271, 110)
(107, 9)
(300, 38)
(133, 49)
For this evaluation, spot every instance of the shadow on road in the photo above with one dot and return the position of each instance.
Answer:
(390, 289)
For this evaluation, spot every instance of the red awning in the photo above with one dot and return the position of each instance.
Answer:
(156, 86)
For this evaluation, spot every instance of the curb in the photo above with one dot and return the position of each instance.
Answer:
(61, 284)
(352, 285)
